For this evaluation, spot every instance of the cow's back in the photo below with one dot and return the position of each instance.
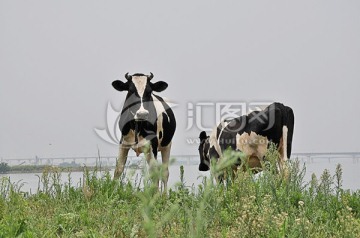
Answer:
(268, 123)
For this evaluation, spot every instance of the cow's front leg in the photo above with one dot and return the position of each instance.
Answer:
(153, 168)
(120, 163)
(165, 155)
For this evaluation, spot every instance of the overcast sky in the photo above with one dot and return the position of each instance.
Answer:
(58, 59)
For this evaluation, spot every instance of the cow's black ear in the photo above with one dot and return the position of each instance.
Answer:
(202, 136)
(120, 86)
(159, 86)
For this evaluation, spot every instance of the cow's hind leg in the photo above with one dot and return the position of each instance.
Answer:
(120, 163)
(165, 155)
(283, 152)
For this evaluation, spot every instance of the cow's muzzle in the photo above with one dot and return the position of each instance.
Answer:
(141, 115)
(203, 167)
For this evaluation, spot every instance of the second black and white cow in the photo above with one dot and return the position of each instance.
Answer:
(147, 123)
(250, 134)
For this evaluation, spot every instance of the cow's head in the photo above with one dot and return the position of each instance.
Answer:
(204, 152)
(138, 100)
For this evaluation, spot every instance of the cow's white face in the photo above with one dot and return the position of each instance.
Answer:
(139, 102)
(140, 83)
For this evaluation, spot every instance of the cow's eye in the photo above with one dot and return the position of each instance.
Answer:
(148, 90)
(132, 88)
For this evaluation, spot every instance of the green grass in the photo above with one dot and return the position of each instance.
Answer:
(271, 205)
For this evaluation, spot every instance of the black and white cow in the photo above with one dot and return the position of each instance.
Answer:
(250, 134)
(147, 123)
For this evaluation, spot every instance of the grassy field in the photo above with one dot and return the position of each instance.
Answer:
(270, 205)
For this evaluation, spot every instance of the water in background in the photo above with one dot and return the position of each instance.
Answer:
(193, 177)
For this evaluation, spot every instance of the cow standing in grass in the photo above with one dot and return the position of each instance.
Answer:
(147, 123)
(250, 134)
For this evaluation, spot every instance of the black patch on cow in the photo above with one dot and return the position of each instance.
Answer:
(160, 135)
(154, 144)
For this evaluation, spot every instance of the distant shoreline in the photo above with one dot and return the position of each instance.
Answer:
(23, 169)
(40, 169)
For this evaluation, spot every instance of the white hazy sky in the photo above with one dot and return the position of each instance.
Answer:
(58, 59)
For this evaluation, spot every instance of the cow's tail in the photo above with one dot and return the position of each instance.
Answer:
(287, 134)
(289, 122)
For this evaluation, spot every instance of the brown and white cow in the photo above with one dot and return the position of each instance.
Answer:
(147, 123)
(250, 134)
